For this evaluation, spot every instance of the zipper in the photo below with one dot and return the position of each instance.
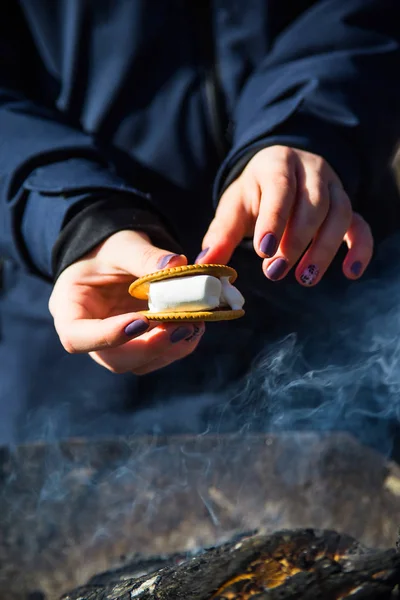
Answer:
(217, 119)
(215, 106)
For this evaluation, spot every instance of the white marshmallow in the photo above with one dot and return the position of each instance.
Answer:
(193, 293)
(181, 294)
(231, 295)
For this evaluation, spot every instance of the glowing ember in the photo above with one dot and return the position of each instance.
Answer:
(302, 564)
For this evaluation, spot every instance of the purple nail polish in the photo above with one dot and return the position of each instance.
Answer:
(276, 269)
(202, 254)
(309, 275)
(356, 268)
(181, 333)
(164, 260)
(136, 328)
(269, 245)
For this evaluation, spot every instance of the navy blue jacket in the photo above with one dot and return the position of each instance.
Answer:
(136, 114)
(146, 103)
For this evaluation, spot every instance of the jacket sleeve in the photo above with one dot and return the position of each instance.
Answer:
(330, 85)
(49, 170)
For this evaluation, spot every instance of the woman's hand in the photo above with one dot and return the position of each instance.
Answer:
(94, 313)
(294, 206)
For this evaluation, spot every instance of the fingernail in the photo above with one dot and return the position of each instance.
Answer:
(181, 333)
(136, 328)
(202, 254)
(164, 260)
(276, 269)
(356, 268)
(309, 275)
(269, 245)
(195, 334)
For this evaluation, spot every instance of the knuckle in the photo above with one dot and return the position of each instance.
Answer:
(314, 218)
(226, 239)
(341, 204)
(215, 231)
(286, 154)
(363, 227)
(283, 180)
(368, 235)
(318, 195)
(149, 255)
(279, 219)
(344, 211)
(319, 165)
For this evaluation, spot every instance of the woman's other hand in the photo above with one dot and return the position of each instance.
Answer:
(293, 205)
(94, 313)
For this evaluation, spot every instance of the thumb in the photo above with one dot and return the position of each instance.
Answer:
(133, 252)
(227, 229)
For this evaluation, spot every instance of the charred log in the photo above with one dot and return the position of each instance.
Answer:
(76, 508)
(288, 565)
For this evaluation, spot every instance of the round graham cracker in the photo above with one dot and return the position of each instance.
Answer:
(216, 315)
(140, 287)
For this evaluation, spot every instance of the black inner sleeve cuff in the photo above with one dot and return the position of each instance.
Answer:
(101, 219)
(305, 132)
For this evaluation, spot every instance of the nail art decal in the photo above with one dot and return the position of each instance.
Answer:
(181, 333)
(197, 331)
(309, 275)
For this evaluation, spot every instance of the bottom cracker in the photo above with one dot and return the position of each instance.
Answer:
(215, 315)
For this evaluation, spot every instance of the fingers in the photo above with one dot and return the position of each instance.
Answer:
(227, 229)
(179, 352)
(361, 246)
(298, 211)
(328, 239)
(309, 212)
(320, 220)
(127, 342)
(259, 202)
(279, 186)
(156, 349)
(79, 335)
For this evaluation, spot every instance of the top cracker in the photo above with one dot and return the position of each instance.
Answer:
(140, 288)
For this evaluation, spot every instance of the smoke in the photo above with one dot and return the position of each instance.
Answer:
(339, 373)
(338, 370)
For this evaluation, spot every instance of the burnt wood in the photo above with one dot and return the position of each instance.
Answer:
(288, 565)
(72, 509)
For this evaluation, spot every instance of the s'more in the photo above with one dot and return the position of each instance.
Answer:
(190, 293)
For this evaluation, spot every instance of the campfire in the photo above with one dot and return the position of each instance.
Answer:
(163, 518)
(303, 564)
